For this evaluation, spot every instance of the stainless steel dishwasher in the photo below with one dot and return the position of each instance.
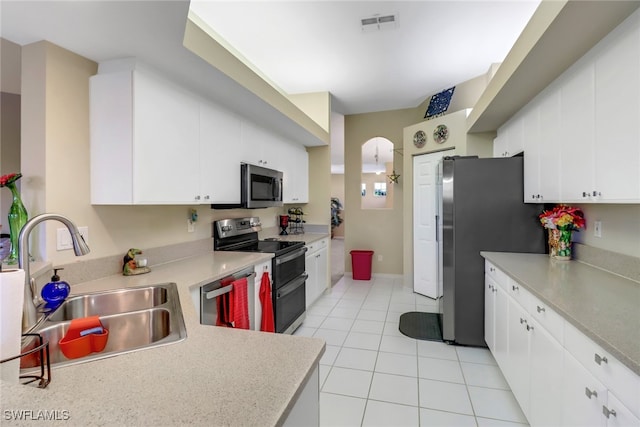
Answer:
(211, 291)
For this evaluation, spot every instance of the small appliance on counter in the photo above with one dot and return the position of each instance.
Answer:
(288, 268)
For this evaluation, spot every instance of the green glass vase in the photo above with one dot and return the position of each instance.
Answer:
(17, 219)
(564, 244)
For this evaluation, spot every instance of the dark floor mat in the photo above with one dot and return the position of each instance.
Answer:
(422, 326)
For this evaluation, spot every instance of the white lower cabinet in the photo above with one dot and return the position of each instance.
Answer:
(316, 263)
(306, 410)
(557, 374)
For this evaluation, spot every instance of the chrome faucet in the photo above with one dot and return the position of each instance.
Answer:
(29, 312)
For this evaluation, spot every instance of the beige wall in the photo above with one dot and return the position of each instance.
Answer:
(318, 210)
(620, 228)
(379, 230)
(315, 105)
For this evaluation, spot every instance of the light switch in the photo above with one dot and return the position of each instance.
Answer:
(63, 241)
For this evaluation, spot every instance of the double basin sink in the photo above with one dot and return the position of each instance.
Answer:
(136, 318)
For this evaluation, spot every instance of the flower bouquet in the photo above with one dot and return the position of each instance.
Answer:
(561, 221)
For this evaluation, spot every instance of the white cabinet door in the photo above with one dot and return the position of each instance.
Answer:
(617, 414)
(500, 143)
(578, 134)
(295, 171)
(510, 138)
(316, 264)
(583, 396)
(546, 369)
(311, 266)
(550, 141)
(517, 372)
(166, 142)
(617, 151)
(501, 330)
(489, 312)
(322, 264)
(531, 145)
(220, 155)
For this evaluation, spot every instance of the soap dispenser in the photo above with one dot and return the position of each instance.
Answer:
(56, 291)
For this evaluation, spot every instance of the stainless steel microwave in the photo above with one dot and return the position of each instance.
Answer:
(259, 188)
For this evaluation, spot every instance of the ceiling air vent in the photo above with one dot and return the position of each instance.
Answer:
(377, 23)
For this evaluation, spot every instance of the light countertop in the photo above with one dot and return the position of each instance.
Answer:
(216, 376)
(602, 305)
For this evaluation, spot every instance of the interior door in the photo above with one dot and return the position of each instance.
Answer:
(425, 243)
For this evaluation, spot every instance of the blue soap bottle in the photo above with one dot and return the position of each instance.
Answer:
(56, 291)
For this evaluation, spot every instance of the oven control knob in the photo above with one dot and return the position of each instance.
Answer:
(226, 228)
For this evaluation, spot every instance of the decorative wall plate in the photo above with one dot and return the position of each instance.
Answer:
(419, 139)
(441, 134)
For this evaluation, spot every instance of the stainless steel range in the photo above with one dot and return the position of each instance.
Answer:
(288, 267)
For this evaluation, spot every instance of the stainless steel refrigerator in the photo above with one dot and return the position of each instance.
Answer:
(480, 208)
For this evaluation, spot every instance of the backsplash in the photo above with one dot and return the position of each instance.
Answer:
(620, 264)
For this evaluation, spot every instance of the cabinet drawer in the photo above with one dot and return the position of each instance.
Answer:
(518, 293)
(618, 414)
(311, 248)
(498, 275)
(547, 318)
(619, 379)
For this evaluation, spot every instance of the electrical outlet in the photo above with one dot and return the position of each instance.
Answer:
(379, 258)
(63, 241)
(597, 228)
(190, 226)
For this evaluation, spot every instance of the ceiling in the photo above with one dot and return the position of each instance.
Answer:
(313, 46)
(299, 46)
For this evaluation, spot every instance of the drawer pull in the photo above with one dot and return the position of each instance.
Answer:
(539, 309)
(599, 359)
(495, 289)
(523, 321)
(490, 287)
(529, 328)
(515, 288)
(606, 411)
(590, 393)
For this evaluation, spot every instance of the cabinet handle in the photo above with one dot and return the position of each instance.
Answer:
(529, 328)
(492, 269)
(495, 289)
(539, 309)
(515, 288)
(590, 393)
(585, 194)
(606, 411)
(490, 287)
(197, 197)
(523, 321)
(206, 197)
(599, 359)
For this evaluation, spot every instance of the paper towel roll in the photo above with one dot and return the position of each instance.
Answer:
(11, 299)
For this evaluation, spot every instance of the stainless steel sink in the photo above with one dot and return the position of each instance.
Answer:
(111, 302)
(137, 318)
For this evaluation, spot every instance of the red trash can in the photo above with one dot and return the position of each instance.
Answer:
(361, 263)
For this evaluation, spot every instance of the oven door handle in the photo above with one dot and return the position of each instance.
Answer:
(221, 291)
(292, 286)
(293, 255)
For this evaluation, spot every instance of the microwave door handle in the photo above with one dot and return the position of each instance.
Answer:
(277, 189)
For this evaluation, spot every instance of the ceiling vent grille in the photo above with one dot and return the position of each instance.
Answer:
(378, 23)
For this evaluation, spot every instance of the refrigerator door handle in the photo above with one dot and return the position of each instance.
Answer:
(436, 227)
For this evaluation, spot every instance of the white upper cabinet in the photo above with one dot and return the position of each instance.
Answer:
(586, 144)
(144, 140)
(154, 143)
(510, 139)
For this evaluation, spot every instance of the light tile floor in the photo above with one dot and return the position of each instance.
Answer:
(373, 375)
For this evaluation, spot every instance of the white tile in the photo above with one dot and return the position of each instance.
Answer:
(433, 418)
(313, 321)
(330, 354)
(347, 313)
(326, 301)
(340, 411)
(368, 326)
(391, 328)
(402, 345)
(356, 358)
(484, 375)
(438, 350)
(397, 364)
(496, 404)
(348, 303)
(394, 316)
(402, 307)
(378, 315)
(425, 308)
(440, 369)
(349, 382)
(475, 355)
(403, 298)
(375, 304)
(362, 340)
(444, 396)
(337, 323)
(488, 422)
(318, 310)
(394, 389)
(304, 331)
(389, 414)
(332, 337)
